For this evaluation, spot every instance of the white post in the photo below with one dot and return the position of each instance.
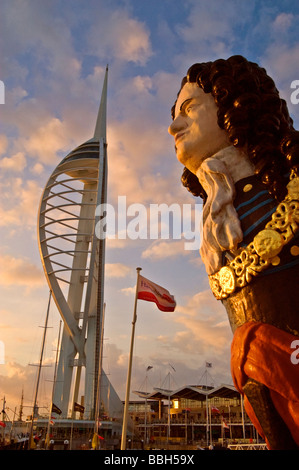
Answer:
(126, 409)
(243, 422)
(230, 424)
(168, 421)
(207, 410)
(145, 416)
(54, 382)
(210, 418)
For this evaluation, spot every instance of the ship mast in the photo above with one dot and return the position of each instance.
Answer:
(39, 371)
(21, 406)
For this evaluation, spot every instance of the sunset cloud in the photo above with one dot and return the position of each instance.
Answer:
(47, 140)
(205, 321)
(3, 144)
(15, 163)
(121, 37)
(20, 272)
(116, 270)
(19, 203)
(165, 249)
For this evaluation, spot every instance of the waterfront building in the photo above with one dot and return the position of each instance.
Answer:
(192, 416)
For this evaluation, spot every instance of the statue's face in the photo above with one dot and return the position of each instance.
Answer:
(195, 128)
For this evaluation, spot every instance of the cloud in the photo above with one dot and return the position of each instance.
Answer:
(116, 34)
(36, 131)
(35, 33)
(15, 163)
(204, 327)
(283, 21)
(15, 379)
(282, 60)
(47, 140)
(116, 270)
(212, 25)
(139, 137)
(37, 169)
(208, 35)
(20, 272)
(41, 121)
(19, 208)
(135, 148)
(129, 290)
(3, 144)
(162, 249)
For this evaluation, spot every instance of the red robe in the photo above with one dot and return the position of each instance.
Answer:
(265, 353)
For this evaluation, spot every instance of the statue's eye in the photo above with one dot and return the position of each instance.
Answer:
(190, 107)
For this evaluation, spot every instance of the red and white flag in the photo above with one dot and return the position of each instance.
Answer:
(224, 424)
(148, 290)
(214, 409)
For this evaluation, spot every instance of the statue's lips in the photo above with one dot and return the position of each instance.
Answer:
(179, 136)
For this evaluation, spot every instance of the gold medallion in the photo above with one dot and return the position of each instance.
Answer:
(295, 250)
(268, 243)
(227, 279)
(293, 189)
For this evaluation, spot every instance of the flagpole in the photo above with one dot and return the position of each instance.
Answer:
(39, 372)
(210, 418)
(230, 424)
(54, 383)
(126, 409)
(99, 379)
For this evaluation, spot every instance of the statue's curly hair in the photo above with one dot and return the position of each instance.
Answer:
(255, 117)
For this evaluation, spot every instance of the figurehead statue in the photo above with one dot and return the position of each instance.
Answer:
(236, 140)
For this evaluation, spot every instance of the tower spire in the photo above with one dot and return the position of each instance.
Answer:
(100, 129)
(81, 304)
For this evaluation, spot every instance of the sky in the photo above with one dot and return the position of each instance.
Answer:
(52, 63)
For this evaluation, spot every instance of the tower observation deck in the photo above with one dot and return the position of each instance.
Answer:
(74, 260)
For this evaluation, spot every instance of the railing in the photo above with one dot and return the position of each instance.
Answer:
(201, 421)
(247, 447)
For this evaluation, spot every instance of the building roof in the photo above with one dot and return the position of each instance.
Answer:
(191, 392)
(224, 391)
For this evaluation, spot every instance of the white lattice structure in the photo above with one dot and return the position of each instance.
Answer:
(73, 260)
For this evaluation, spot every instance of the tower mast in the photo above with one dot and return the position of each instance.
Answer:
(74, 260)
(101, 123)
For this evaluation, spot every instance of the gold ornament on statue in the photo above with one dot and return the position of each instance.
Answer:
(268, 243)
(263, 251)
(227, 279)
(293, 189)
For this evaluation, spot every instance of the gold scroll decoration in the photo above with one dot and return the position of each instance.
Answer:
(263, 251)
